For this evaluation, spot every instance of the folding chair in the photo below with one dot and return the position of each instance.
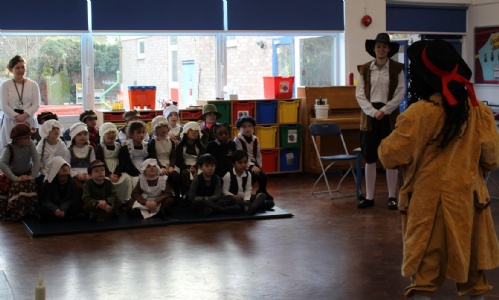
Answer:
(331, 129)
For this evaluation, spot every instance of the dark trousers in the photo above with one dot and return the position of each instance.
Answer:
(370, 140)
(185, 181)
(174, 182)
(225, 205)
(46, 214)
(102, 215)
(261, 178)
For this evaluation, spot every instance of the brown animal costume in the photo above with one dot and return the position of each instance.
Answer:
(444, 199)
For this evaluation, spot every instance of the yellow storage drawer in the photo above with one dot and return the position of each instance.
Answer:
(267, 136)
(288, 111)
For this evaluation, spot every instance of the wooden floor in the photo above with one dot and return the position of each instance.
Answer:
(328, 250)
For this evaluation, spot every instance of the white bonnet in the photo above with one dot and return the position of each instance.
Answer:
(48, 126)
(169, 109)
(192, 126)
(105, 128)
(54, 165)
(77, 128)
(159, 121)
(147, 162)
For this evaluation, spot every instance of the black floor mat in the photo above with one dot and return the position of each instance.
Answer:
(179, 215)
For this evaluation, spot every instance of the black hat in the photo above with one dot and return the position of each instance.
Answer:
(87, 114)
(437, 62)
(382, 38)
(243, 119)
(45, 116)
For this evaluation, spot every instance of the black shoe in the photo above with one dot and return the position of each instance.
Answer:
(135, 212)
(392, 204)
(365, 203)
(257, 204)
(269, 204)
(78, 217)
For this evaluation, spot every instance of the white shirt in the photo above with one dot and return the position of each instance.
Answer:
(379, 90)
(245, 193)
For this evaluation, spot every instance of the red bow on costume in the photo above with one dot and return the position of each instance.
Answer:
(447, 77)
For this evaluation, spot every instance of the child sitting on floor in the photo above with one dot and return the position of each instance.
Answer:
(58, 201)
(99, 195)
(237, 185)
(128, 117)
(188, 151)
(221, 148)
(162, 148)
(152, 194)
(20, 165)
(134, 150)
(90, 119)
(81, 154)
(248, 142)
(205, 191)
(50, 146)
(171, 114)
(209, 117)
(108, 151)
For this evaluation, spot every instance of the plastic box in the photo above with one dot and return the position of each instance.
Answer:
(288, 111)
(266, 136)
(223, 107)
(190, 115)
(278, 87)
(242, 108)
(142, 96)
(269, 161)
(266, 112)
(291, 136)
(289, 160)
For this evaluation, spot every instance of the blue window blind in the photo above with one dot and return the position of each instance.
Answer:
(416, 18)
(285, 15)
(44, 15)
(135, 15)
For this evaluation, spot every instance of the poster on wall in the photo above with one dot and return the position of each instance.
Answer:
(487, 55)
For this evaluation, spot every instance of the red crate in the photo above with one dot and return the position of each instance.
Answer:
(192, 114)
(242, 108)
(142, 96)
(269, 161)
(113, 116)
(278, 87)
(147, 115)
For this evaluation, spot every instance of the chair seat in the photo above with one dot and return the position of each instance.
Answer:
(339, 157)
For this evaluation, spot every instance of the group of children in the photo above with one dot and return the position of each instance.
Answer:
(106, 168)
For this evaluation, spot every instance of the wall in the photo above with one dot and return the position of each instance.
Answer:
(480, 16)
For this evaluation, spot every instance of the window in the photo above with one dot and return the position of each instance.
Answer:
(141, 51)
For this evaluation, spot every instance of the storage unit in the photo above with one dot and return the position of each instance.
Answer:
(143, 97)
(291, 136)
(278, 87)
(269, 161)
(116, 117)
(267, 136)
(242, 108)
(266, 112)
(289, 160)
(190, 114)
(223, 107)
(288, 111)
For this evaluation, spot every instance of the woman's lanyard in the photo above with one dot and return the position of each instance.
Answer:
(19, 95)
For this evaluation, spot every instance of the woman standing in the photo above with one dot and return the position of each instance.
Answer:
(20, 100)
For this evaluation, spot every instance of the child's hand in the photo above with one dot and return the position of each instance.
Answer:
(255, 170)
(24, 177)
(193, 170)
(164, 171)
(101, 204)
(171, 170)
(151, 206)
(114, 178)
(108, 208)
(237, 197)
(59, 213)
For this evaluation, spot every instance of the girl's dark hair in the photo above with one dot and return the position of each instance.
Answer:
(455, 116)
(133, 126)
(206, 158)
(216, 126)
(238, 155)
(14, 61)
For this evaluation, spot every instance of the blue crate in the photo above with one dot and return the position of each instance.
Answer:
(289, 160)
(266, 112)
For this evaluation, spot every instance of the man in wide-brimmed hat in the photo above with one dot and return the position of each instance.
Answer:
(379, 91)
(443, 143)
